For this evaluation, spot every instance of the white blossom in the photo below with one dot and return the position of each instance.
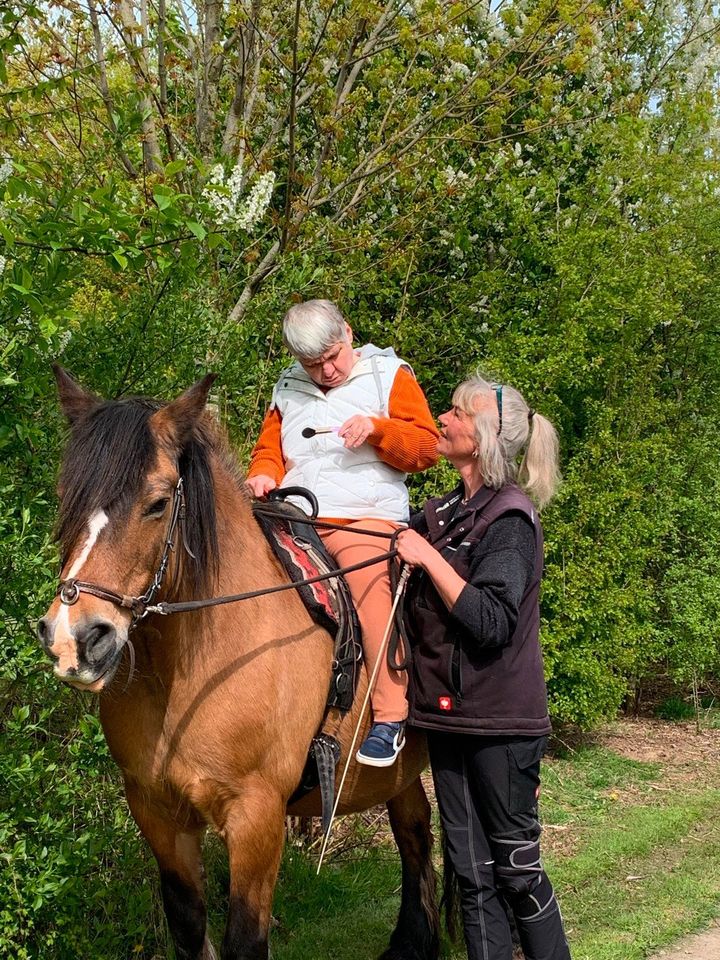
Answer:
(3, 264)
(63, 340)
(253, 210)
(224, 197)
(496, 28)
(6, 169)
(453, 177)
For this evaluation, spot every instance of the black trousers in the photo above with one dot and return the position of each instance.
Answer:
(487, 789)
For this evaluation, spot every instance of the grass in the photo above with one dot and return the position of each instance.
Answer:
(346, 913)
(635, 861)
(643, 881)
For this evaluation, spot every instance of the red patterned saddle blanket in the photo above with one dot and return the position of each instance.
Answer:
(301, 552)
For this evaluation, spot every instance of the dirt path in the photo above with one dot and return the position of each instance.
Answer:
(703, 946)
(686, 755)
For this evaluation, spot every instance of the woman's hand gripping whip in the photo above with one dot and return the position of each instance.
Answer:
(404, 574)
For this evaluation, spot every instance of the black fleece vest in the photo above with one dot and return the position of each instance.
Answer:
(455, 683)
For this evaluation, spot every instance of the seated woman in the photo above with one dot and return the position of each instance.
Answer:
(371, 426)
(477, 683)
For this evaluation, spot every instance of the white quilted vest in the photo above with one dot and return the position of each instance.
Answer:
(347, 483)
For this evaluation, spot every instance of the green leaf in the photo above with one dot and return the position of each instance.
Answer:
(162, 201)
(48, 326)
(7, 235)
(120, 258)
(197, 229)
(175, 167)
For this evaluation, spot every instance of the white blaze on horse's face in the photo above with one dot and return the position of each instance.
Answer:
(77, 645)
(95, 524)
(64, 646)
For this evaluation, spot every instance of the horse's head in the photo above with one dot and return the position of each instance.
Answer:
(118, 495)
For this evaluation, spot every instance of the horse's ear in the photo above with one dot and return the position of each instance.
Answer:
(75, 402)
(174, 423)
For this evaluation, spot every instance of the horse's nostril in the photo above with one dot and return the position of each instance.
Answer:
(98, 640)
(43, 632)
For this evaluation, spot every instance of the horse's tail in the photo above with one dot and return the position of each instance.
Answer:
(450, 899)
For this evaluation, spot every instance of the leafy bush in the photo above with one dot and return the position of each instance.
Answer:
(675, 708)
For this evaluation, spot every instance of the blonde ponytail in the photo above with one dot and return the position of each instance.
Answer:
(539, 473)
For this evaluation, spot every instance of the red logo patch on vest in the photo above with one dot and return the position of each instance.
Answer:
(445, 703)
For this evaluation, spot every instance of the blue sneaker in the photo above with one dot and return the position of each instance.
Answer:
(382, 744)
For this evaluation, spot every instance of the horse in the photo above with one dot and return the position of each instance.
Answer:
(209, 714)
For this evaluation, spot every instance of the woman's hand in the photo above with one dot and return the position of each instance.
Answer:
(415, 550)
(260, 485)
(355, 431)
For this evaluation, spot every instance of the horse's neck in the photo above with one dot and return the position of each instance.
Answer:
(245, 563)
(226, 654)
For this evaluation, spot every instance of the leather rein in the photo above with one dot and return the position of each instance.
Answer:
(69, 590)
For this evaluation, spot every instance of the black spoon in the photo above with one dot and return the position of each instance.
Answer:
(311, 431)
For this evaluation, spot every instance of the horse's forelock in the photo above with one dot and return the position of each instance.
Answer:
(108, 455)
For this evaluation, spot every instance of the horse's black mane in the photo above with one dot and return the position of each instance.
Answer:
(107, 457)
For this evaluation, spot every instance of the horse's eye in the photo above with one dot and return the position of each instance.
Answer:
(158, 508)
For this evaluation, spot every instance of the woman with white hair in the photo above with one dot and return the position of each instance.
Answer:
(350, 424)
(477, 684)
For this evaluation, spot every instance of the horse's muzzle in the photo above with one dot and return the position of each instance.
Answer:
(86, 655)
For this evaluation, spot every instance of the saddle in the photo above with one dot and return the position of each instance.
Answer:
(302, 553)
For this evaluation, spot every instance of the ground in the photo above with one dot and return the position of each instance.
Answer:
(699, 759)
(703, 946)
(658, 741)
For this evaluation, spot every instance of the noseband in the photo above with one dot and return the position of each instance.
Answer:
(69, 590)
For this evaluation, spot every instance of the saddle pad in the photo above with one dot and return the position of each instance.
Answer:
(302, 554)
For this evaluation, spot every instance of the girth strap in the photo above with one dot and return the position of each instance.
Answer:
(319, 771)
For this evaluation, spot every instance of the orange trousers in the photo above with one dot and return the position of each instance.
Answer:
(370, 589)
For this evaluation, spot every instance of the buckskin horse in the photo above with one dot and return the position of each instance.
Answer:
(209, 714)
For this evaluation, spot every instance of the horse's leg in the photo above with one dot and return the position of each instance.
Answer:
(177, 850)
(254, 831)
(416, 936)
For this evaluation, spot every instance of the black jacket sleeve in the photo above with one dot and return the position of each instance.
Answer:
(500, 572)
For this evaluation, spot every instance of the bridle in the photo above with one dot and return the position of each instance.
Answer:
(69, 590)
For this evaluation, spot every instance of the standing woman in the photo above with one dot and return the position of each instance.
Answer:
(477, 683)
